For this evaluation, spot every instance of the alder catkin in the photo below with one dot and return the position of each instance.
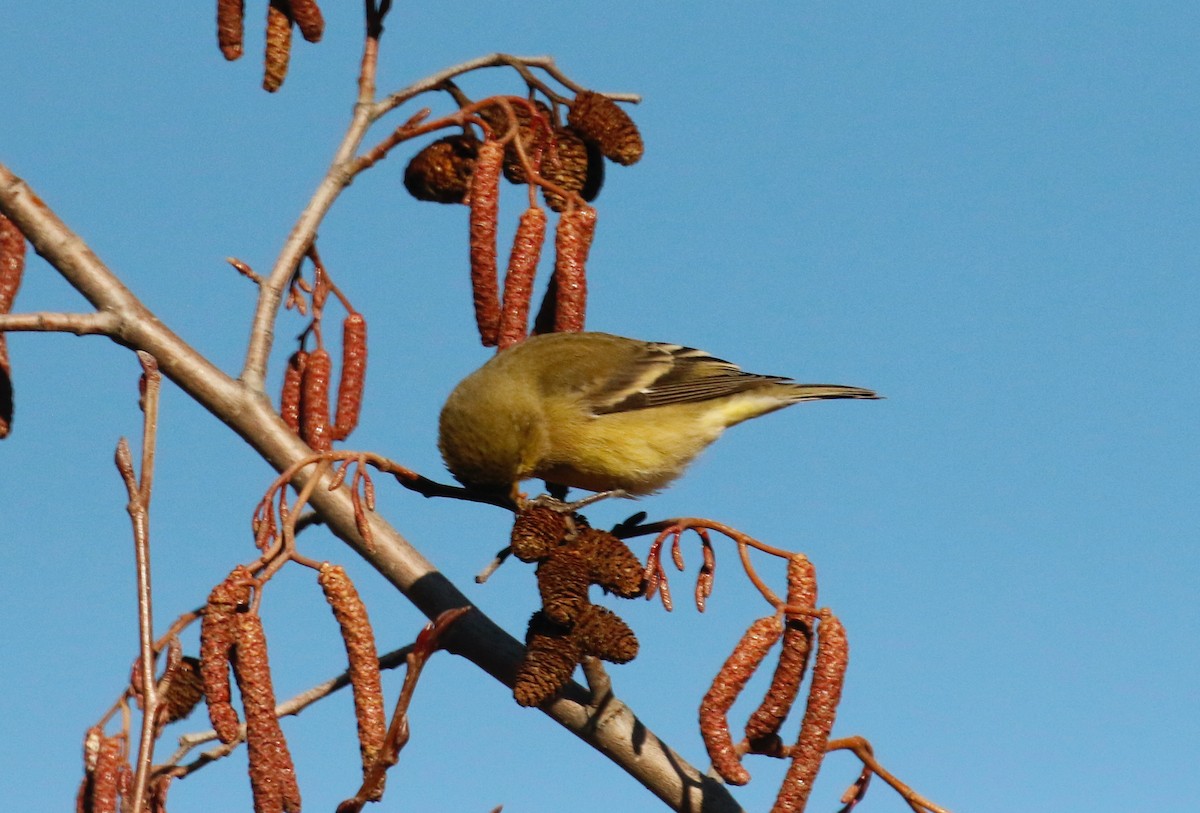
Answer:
(363, 658)
(230, 15)
(279, 45)
(353, 375)
(289, 398)
(518, 281)
(12, 267)
(314, 402)
(728, 684)
(485, 210)
(218, 635)
(797, 641)
(572, 240)
(308, 19)
(272, 773)
(104, 794)
(825, 692)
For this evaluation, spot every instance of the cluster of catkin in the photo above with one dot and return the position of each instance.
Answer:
(571, 557)
(107, 776)
(281, 16)
(12, 266)
(304, 402)
(526, 145)
(798, 633)
(231, 635)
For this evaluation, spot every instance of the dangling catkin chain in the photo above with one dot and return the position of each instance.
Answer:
(572, 240)
(218, 635)
(353, 375)
(279, 46)
(12, 266)
(797, 641)
(230, 14)
(485, 210)
(359, 638)
(829, 673)
(728, 684)
(289, 398)
(518, 282)
(314, 402)
(272, 773)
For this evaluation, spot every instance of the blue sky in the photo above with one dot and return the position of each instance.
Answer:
(987, 212)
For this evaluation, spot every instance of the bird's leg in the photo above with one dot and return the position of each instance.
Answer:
(555, 503)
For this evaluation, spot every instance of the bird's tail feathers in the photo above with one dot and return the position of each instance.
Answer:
(817, 392)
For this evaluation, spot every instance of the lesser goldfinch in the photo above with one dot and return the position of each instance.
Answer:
(602, 412)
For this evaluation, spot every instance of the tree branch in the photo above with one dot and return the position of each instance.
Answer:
(243, 406)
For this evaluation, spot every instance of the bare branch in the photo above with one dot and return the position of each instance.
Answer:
(243, 407)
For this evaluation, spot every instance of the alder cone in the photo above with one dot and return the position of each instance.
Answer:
(533, 136)
(441, 172)
(575, 164)
(599, 119)
(551, 656)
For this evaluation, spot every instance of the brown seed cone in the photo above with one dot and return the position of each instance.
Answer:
(829, 673)
(485, 210)
(536, 532)
(184, 692)
(797, 642)
(359, 638)
(534, 136)
(279, 45)
(218, 634)
(353, 376)
(308, 19)
(272, 773)
(12, 267)
(613, 566)
(599, 119)
(574, 164)
(289, 398)
(441, 172)
(518, 282)
(601, 632)
(230, 14)
(563, 580)
(551, 656)
(728, 684)
(572, 241)
(314, 402)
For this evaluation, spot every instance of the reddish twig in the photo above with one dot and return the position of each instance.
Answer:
(428, 642)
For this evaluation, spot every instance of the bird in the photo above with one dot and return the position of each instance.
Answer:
(601, 412)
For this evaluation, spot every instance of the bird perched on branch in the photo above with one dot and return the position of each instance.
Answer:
(602, 412)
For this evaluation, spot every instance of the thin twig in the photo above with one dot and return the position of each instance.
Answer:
(862, 749)
(290, 707)
(139, 490)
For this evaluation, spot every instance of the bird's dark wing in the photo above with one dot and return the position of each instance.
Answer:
(661, 374)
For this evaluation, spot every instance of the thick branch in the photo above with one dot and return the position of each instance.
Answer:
(613, 729)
